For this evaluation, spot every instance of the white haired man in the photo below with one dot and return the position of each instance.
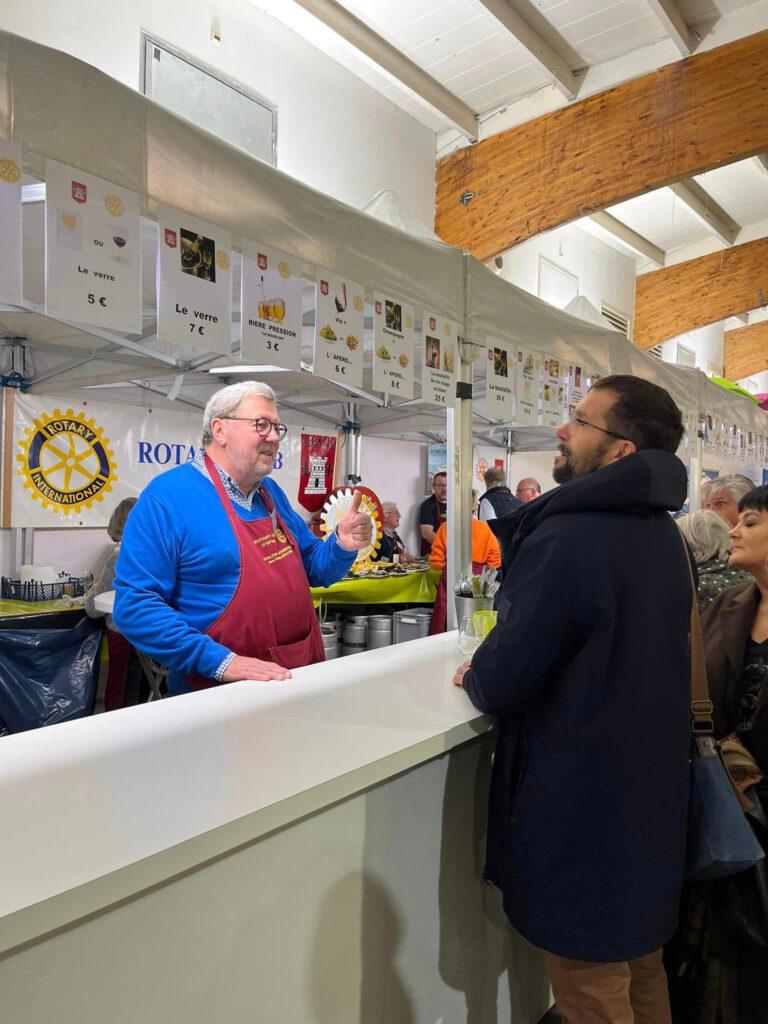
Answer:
(391, 541)
(215, 567)
(723, 494)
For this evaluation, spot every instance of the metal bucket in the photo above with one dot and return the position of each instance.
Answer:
(379, 631)
(354, 638)
(470, 605)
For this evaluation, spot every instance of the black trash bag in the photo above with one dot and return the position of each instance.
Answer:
(48, 675)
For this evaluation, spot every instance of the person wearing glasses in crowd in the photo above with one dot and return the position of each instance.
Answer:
(528, 490)
(391, 541)
(587, 671)
(433, 511)
(215, 566)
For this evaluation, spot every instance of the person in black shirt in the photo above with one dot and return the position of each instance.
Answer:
(433, 511)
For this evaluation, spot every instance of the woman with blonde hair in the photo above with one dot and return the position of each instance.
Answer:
(707, 537)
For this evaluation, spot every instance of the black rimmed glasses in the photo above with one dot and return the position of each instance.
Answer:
(577, 421)
(262, 425)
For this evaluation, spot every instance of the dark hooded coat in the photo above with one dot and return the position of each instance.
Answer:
(588, 673)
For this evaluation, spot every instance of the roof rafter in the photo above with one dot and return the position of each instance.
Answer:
(670, 17)
(705, 209)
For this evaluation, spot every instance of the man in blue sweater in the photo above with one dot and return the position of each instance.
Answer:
(215, 567)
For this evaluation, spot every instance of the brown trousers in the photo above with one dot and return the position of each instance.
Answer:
(632, 992)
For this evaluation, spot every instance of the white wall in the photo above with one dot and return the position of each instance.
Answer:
(397, 471)
(604, 275)
(334, 132)
(706, 342)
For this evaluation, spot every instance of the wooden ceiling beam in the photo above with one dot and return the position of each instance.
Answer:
(746, 351)
(699, 292)
(687, 118)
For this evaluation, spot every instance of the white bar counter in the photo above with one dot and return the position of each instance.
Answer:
(108, 817)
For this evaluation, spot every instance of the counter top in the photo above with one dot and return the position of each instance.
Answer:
(84, 799)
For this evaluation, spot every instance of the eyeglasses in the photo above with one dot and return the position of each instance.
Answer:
(262, 425)
(577, 421)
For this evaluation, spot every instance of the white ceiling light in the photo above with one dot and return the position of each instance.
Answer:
(242, 368)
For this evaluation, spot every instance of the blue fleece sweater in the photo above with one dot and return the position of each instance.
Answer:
(179, 565)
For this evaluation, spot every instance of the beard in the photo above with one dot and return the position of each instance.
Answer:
(588, 462)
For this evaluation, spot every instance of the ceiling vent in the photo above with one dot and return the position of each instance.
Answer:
(618, 321)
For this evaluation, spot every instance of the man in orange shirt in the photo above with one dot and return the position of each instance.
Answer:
(485, 551)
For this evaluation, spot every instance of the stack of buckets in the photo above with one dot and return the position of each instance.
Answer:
(346, 633)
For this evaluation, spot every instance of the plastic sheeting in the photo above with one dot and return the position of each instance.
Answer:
(48, 675)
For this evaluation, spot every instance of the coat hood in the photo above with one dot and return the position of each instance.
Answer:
(643, 483)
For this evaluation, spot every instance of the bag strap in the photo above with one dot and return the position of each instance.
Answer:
(702, 707)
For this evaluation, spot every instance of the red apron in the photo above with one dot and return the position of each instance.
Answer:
(426, 547)
(437, 624)
(270, 615)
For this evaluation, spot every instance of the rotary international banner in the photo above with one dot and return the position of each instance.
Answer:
(74, 461)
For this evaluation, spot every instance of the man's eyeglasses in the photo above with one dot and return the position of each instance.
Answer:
(577, 421)
(262, 425)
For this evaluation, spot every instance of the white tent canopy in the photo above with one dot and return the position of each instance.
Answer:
(128, 139)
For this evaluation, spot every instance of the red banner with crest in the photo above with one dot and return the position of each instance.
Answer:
(318, 465)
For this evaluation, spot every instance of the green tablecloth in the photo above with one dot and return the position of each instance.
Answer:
(411, 589)
(11, 609)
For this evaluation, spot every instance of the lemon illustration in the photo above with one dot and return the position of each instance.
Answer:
(69, 221)
(9, 171)
(222, 260)
(114, 206)
(358, 303)
(285, 270)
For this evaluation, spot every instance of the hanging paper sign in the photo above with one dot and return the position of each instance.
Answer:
(338, 329)
(527, 386)
(194, 293)
(270, 307)
(392, 346)
(11, 280)
(576, 388)
(318, 466)
(92, 250)
(499, 379)
(553, 393)
(438, 375)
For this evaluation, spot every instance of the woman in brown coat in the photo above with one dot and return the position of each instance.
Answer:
(735, 628)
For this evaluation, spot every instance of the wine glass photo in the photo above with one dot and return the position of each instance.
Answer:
(470, 637)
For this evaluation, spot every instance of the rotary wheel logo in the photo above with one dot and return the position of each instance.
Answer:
(66, 461)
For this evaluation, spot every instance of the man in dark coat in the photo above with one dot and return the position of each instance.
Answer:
(588, 673)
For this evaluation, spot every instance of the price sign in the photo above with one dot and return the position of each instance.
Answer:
(92, 250)
(194, 295)
(576, 387)
(271, 307)
(438, 374)
(10, 217)
(553, 397)
(392, 346)
(339, 324)
(499, 379)
(527, 383)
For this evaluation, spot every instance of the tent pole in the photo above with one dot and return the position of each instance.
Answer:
(508, 459)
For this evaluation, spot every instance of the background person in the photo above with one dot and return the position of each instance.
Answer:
(707, 537)
(735, 631)
(125, 675)
(214, 572)
(498, 501)
(723, 494)
(433, 511)
(485, 551)
(391, 541)
(587, 670)
(528, 489)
